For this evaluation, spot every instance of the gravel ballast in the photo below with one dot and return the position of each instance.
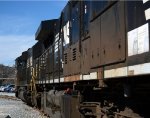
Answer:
(15, 108)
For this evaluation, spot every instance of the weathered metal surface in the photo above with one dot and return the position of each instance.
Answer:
(113, 38)
(70, 107)
(85, 57)
(72, 78)
(95, 43)
(66, 65)
(75, 59)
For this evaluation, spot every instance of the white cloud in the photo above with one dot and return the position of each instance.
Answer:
(12, 46)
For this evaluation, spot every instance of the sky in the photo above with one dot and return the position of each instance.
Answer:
(19, 21)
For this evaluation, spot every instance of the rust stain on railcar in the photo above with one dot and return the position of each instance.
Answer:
(72, 78)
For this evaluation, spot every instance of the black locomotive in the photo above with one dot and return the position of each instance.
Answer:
(91, 62)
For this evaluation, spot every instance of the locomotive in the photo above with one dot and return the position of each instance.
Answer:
(91, 62)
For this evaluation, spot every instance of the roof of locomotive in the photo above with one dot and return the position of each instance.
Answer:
(46, 27)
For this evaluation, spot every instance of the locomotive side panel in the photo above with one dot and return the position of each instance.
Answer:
(113, 34)
(65, 27)
(85, 37)
(137, 42)
(85, 58)
(29, 66)
(66, 67)
(75, 59)
(75, 37)
(21, 69)
(95, 43)
(138, 26)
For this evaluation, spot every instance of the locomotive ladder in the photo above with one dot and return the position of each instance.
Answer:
(33, 89)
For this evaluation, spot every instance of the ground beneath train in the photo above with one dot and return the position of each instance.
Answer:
(12, 107)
